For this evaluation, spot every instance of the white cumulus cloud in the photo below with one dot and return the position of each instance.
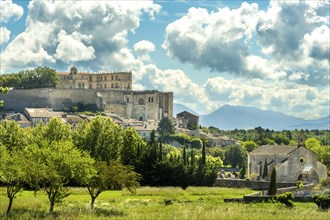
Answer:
(72, 49)
(143, 48)
(9, 9)
(4, 35)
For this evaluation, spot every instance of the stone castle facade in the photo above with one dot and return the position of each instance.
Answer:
(121, 81)
(111, 91)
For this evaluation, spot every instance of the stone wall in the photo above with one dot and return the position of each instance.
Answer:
(124, 103)
(256, 185)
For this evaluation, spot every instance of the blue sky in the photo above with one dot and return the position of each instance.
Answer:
(271, 55)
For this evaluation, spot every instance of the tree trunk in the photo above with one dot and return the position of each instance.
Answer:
(10, 205)
(52, 204)
(92, 202)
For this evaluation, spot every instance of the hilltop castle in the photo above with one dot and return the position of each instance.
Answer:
(110, 91)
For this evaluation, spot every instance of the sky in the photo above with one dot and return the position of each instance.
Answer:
(272, 55)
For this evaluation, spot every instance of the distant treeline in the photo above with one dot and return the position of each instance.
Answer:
(262, 136)
(40, 77)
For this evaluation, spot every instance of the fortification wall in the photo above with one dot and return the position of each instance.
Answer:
(58, 99)
(123, 103)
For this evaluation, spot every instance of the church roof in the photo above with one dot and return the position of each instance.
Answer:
(274, 149)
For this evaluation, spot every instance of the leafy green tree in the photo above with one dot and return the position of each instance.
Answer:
(131, 141)
(234, 156)
(12, 136)
(39, 77)
(62, 163)
(249, 145)
(13, 173)
(272, 190)
(165, 127)
(57, 130)
(101, 137)
(112, 176)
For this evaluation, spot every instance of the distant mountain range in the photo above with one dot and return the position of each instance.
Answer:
(238, 117)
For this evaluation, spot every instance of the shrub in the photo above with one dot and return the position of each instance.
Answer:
(299, 184)
(322, 201)
(286, 199)
(325, 183)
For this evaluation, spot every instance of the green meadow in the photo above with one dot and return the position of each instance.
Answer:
(155, 203)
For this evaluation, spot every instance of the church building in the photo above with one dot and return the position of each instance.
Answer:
(292, 163)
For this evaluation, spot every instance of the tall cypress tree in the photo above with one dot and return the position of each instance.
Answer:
(272, 185)
(192, 157)
(265, 173)
(203, 153)
(160, 151)
(184, 155)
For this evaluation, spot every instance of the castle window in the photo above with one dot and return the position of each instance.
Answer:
(105, 86)
(127, 99)
(90, 78)
(149, 99)
(111, 77)
(105, 78)
(116, 77)
(141, 101)
(100, 86)
(117, 85)
(152, 99)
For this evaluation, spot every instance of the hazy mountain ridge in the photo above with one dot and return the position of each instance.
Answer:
(231, 117)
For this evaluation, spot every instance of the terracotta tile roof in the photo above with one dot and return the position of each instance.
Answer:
(43, 113)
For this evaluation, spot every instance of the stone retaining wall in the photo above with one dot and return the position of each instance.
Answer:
(256, 185)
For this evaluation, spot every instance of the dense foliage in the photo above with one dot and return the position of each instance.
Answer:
(286, 199)
(322, 201)
(99, 155)
(39, 77)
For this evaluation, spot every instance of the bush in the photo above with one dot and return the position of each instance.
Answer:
(299, 184)
(322, 201)
(286, 199)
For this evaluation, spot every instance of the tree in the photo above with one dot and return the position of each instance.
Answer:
(203, 160)
(242, 172)
(101, 137)
(112, 176)
(184, 155)
(39, 77)
(12, 136)
(234, 155)
(265, 173)
(3, 90)
(57, 130)
(249, 145)
(273, 183)
(12, 173)
(165, 127)
(62, 163)
(131, 142)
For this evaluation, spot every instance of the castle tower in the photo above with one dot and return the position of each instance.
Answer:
(73, 70)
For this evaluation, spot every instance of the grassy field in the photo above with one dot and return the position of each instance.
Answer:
(156, 203)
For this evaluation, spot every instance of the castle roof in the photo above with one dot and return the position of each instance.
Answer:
(274, 149)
